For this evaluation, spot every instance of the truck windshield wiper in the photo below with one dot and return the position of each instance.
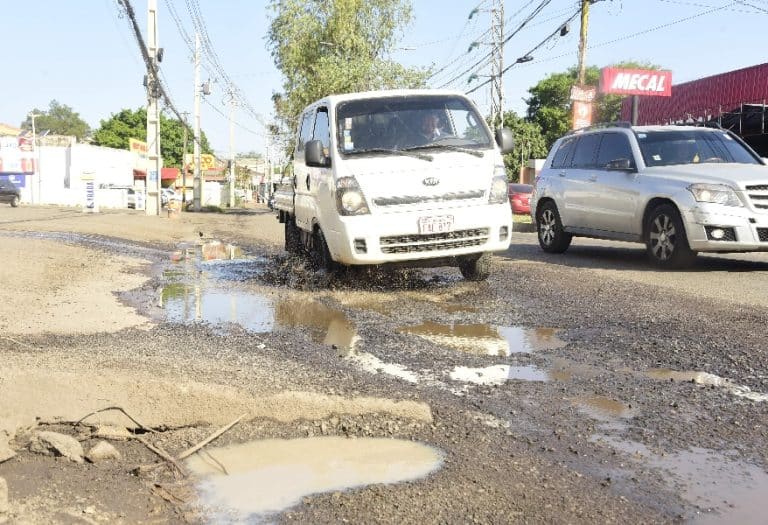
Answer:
(474, 152)
(404, 152)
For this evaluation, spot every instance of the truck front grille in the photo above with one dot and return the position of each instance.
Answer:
(758, 196)
(434, 241)
(418, 199)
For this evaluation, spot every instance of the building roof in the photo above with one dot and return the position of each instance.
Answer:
(5, 129)
(705, 98)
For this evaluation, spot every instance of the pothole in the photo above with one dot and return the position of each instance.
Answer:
(705, 378)
(603, 408)
(252, 480)
(725, 490)
(487, 339)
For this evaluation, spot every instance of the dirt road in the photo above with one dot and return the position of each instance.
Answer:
(548, 394)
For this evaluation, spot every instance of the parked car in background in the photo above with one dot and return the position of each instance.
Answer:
(678, 189)
(520, 198)
(9, 193)
(167, 195)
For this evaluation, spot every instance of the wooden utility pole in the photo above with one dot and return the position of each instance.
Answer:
(583, 40)
(184, 163)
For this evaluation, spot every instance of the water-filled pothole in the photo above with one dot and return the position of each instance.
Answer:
(707, 379)
(560, 370)
(726, 490)
(487, 339)
(263, 477)
(603, 408)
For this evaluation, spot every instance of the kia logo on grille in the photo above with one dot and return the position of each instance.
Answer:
(431, 181)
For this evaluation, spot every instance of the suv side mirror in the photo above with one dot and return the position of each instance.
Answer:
(620, 165)
(314, 156)
(505, 139)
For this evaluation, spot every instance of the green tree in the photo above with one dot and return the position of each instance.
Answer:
(132, 124)
(529, 144)
(550, 106)
(337, 46)
(58, 119)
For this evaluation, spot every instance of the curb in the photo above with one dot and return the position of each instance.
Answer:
(523, 227)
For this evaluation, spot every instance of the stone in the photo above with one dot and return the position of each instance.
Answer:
(6, 452)
(102, 451)
(4, 507)
(55, 444)
(113, 433)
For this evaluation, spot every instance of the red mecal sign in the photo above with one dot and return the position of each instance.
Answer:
(636, 82)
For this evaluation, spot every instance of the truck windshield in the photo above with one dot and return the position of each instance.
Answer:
(406, 123)
(665, 148)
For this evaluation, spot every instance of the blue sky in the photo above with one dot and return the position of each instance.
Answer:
(82, 52)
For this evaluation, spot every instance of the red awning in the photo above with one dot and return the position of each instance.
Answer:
(165, 174)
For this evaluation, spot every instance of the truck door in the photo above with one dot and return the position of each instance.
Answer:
(314, 184)
(301, 172)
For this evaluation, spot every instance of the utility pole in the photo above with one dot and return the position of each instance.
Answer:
(267, 168)
(185, 114)
(231, 175)
(152, 180)
(497, 87)
(583, 41)
(198, 186)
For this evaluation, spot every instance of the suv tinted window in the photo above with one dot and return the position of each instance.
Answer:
(614, 146)
(586, 150)
(564, 154)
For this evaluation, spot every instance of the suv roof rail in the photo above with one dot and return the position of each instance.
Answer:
(602, 125)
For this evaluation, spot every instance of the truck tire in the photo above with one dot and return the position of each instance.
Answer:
(320, 255)
(15, 201)
(476, 268)
(292, 236)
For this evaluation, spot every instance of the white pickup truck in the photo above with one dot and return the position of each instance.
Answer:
(405, 177)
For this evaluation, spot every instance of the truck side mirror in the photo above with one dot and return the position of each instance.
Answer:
(505, 139)
(314, 156)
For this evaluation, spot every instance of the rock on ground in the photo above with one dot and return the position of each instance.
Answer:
(102, 451)
(55, 444)
(6, 452)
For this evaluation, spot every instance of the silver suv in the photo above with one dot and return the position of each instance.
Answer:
(677, 189)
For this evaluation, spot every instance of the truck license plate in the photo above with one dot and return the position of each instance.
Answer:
(435, 224)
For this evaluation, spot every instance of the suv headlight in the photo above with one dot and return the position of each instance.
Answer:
(716, 194)
(498, 193)
(349, 197)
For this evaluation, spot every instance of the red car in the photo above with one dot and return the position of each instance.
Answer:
(520, 198)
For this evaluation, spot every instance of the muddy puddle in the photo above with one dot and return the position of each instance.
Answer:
(250, 481)
(706, 379)
(724, 489)
(486, 339)
(603, 408)
(560, 370)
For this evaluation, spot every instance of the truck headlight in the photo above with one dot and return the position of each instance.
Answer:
(498, 193)
(716, 194)
(349, 197)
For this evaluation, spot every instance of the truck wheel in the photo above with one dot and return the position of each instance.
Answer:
(476, 268)
(292, 236)
(552, 237)
(665, 239)
(319, 254)
(15, 201)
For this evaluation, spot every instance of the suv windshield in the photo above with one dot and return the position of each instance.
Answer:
(665, 148)
(395, 124)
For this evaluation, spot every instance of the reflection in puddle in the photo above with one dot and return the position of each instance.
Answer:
(603, 408)
(268, 476)
(727, 491)
(561, 370)
(704, 378)
(328, 326)
(497, 374)
(486, 339)
(194, 303)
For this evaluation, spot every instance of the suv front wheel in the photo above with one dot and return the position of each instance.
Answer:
(665, 239)
(552, 237)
